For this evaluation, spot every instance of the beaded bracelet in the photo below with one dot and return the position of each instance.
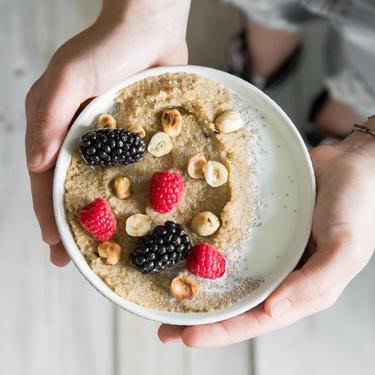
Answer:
(363, 129)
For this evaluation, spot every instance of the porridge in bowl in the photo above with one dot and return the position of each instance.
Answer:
(160, 195)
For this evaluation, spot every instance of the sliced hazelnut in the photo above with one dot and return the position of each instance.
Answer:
(229, 121)
(138, 130)
(171, 122)
(205, 223)
(122, 187)
(195, 166)
(109, 252)
(183, 288)
(160, 144)
(138, 225)
(107, 121)
(215, 173)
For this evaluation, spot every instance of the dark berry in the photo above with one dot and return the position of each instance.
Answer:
(176, 240)
(140, 259)
(160, 230)
(161, 249)
(108, 147)
(171, 248)
(180, 249)
(90, 150)
(185, 238)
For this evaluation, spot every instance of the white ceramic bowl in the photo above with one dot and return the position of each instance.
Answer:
(286, 187)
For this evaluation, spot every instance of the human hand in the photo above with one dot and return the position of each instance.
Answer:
(127, 37)
(341, 244)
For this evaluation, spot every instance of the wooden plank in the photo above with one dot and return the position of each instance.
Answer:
(139, 351)
(234, 359)
(51, 321)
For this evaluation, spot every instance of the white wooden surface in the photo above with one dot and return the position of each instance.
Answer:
(53, 322)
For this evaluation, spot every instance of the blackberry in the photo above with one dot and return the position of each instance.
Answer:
(166, 246)
(108, 147)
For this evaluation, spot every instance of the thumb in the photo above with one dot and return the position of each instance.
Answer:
(50, 107)
(319, 283)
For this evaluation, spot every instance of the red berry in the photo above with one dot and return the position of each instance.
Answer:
(205, 261)
(165, 191)
(98, 219)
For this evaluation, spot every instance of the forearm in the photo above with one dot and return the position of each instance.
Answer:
(170, 15)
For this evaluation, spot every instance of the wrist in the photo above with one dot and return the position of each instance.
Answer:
(165, 15)
(359, 142)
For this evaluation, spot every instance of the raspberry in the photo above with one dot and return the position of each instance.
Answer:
(98, 219)
(205, 261)
(165, 190)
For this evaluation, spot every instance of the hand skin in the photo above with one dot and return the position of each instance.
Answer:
(342, 242)
(128, 36)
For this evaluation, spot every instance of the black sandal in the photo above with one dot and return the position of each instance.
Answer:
(315, 137)
(239, 64)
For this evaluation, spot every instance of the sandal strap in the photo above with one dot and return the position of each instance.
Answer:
(239, 63)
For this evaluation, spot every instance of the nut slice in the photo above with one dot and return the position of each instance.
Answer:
(171, 122)
(138, 225)
(160, 144)
(229, 121)
(138, 130)
(183, 288)
(215, 173)
(195, 165)
(122, 187)
(107, 121)
(109, 252)
(205, 223)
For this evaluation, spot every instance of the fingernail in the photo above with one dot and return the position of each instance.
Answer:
(280, 307)
(171, 340)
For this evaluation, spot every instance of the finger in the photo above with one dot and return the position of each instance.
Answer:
(253, 323)
(41, 186)
(58, 256)
(318, 284)
(179, 56)
(172, 333)
(314, 287)
(320, 156)
(49, 111)
(245, 326)
(41, 189)
(308, 253)
(169, 333)
(81, 107)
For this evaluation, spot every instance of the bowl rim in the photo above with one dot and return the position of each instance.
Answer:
(176, 318)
